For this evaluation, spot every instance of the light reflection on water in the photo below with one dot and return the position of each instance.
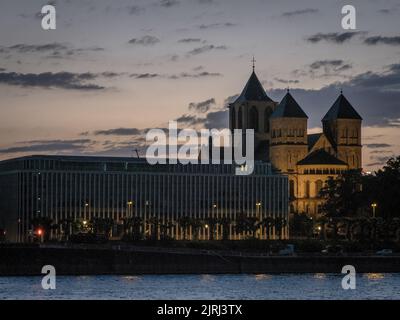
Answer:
(212, 287)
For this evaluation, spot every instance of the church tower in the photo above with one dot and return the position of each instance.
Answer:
(252, 110)
(288, 135)
(342, 125)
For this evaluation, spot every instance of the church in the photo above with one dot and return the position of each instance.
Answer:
(281, 138)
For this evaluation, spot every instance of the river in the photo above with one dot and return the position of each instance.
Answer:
(213, 287)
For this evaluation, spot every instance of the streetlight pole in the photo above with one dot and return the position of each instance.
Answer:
(258, 206)
(374, 205)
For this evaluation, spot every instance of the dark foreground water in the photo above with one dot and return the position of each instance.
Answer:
(263, 286)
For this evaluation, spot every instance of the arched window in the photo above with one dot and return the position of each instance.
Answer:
(240, 119)
(307, 189)
(291, 189)
(267, 114)
(254, 118)
(233, 118)
(318, 186)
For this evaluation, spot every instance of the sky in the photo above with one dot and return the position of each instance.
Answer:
(112, 69)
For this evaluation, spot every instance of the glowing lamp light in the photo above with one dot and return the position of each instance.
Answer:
(39, 232)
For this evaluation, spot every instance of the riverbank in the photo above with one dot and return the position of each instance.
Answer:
(94, 260)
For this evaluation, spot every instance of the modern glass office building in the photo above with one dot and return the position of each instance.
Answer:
(83, 188)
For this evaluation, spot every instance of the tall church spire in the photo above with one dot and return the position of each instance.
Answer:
(254, 63)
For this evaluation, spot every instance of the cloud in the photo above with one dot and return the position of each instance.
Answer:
(189, 40)
(52, 50)
(190, 120)
(286, 81)
(63, 80)
(49, 146)
(217, 120)
(375, 95)
(217, 25)
(324, 63)
(230, 99)
(145, 40)
(135, 10)
(206, 48)
(203, 106)
(328, 67)
(177, 76)
(377, 145)
(119, 132)
(169, 3)
(334, 37)
(195, 75)
(299, 12)
(375, 40)
(144, 75)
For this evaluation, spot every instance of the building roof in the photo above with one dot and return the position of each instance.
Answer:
(312, 139)
(74, 158)
(341, 109)
(253, 91)
(320, 156)
(288, 108)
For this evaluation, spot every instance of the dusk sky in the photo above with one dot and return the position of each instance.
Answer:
(111, 69)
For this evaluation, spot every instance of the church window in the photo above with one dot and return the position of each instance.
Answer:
(240, 119)
(307, 189)
(291, 189)
(318, 187)
(267, 114)
(233, 119)
(254, 118)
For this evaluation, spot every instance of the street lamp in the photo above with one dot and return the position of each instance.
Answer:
(130, 203)
(258, 206)
(373, 206)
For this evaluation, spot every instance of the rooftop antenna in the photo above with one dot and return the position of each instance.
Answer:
(254, 63)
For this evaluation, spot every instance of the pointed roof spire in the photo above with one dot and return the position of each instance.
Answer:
(341, 109)
(253, 91)
(288, 108)
(254, 63)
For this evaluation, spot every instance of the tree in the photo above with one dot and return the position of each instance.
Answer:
(211, 224)
(385, 189)
(184, 223)
(155, 224)
(279, 224)
(66, 227)
(196, 225)
(300, 225)
(343, 196)
(45, 224)
(225, 222)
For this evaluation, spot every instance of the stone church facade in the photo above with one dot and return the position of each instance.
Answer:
(281, 138)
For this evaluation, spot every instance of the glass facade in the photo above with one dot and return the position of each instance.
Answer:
(83, 188)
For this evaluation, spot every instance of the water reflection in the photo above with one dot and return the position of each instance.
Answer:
(207, 278)
(375, 276)
(319, 275)
(260, 277)
(131, 278)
